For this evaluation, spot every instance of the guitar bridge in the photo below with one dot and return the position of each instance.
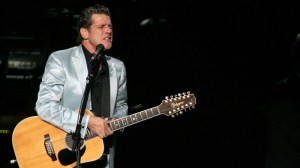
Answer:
(49, 147)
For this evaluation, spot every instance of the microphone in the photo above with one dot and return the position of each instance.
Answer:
(99, 50)
(97, 60)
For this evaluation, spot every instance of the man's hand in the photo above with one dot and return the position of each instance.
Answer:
(99, 126)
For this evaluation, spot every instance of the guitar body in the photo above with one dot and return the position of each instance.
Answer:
(32, 135)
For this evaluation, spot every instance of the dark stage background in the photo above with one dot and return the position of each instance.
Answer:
(230, 54)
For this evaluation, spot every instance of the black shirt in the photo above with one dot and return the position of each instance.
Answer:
(100, 92)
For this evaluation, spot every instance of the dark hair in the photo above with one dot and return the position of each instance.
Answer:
(85, 18)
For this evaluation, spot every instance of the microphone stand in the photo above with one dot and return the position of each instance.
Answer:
(95, 63)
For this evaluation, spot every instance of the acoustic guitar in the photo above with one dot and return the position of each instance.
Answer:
(38, 144)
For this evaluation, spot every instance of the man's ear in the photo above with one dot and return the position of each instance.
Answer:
(84, 33)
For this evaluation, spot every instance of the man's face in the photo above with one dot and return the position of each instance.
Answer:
(100, 31)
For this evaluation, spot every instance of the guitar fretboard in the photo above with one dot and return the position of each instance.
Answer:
(133, 118)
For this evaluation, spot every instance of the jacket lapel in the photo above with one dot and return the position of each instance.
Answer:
(80, 68)
(113, 85)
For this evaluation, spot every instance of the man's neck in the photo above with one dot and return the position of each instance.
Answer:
(88, 46)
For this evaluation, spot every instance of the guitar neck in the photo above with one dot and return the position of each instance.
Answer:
(133, 118)
(169, 107)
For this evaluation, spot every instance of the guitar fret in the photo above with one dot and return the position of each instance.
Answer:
(155, 111)
(144, 115)
(112, 125)
(117, 124)
(133, 118)
(149, 113)
(138, 116)
(125, 123)
(121, 123)
(89, 134)
(129, 120)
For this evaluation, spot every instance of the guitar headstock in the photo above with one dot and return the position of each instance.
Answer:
(176, 104)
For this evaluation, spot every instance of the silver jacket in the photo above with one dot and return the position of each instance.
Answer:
(63, 85)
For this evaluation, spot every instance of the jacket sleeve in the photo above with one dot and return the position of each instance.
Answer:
(48, 105)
